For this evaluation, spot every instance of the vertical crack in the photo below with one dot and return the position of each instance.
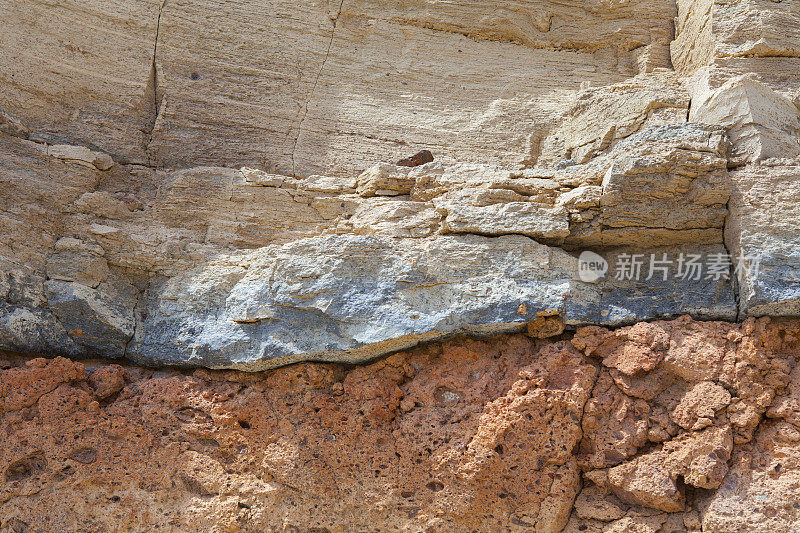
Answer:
(314, 87)
(732, 272)
(156, 99)
(152, 92)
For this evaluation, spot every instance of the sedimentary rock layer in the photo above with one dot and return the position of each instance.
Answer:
(207, 187)
(313, 87)
(164, 163)
(241, 268)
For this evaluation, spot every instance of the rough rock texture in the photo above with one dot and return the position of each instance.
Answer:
(321, 86)
(280, 305)
(663, 426)
(241, 268)
(209, 185)
(763, 224)
(161, 161)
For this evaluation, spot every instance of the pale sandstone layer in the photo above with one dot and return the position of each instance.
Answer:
(195, 183)
(657, 427)
(315, 86)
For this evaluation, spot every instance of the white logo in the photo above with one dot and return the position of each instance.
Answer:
(591, 267)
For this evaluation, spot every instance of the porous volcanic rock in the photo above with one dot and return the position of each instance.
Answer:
(593, 433)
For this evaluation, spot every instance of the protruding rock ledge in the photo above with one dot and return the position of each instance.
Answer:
(353, 298)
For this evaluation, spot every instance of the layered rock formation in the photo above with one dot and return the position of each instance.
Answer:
(240, 268)
(318, 87)
(218, 187)
(118, 245)
(601, 145)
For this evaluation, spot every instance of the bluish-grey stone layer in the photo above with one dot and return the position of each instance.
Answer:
(353, 298)
(345, 298)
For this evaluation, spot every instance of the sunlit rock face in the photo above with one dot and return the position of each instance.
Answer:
(433, 266)
(255, 188)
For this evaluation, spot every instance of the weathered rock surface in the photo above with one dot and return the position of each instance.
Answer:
(680, 406)
(664, 185)
(762, 232)
(511, 434)
(205, 184)
(315, 88)
(241, 268)
(710, 30)
(283, 304)
(743, 57)
(761, 122)
(558, 127)
(421, 439)
(602, 116)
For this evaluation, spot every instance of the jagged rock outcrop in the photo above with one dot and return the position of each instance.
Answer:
(398, 255)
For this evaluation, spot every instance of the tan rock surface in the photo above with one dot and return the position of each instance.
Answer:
(566, 123)
(761, 122)
(82, 72)
(762, 226)
(319, 87)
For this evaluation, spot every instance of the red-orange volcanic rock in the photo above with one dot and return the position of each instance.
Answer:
(464, 435)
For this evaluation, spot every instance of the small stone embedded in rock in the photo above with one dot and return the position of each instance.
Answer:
(81, 156)
(547, 323)
(420, 158)
(107, 380)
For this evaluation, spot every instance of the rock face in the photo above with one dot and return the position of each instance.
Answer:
(175, 196)
(243, 269)
(136, 258)
(763, 214)
(662, 426)
(283, 304)
(211, 187)
(316, 88)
